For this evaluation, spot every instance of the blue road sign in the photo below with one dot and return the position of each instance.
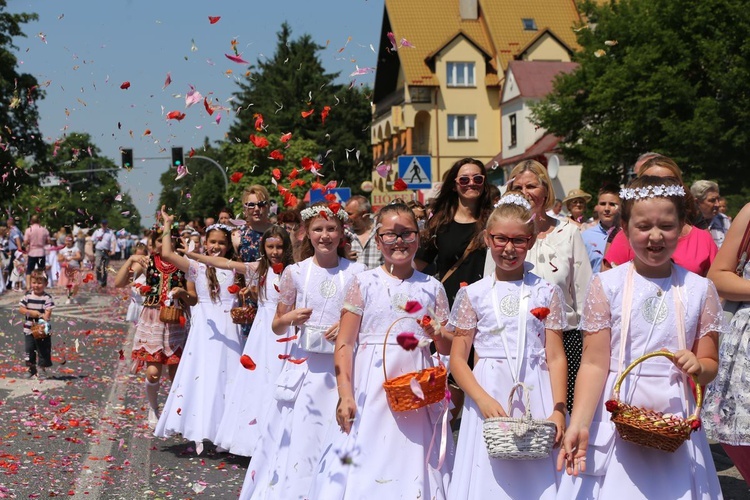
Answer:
(416, 171)
(342, 195)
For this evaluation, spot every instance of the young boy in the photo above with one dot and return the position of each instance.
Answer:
(595, 238)
(37, 305)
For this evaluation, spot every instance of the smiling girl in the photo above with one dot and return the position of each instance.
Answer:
(649, 304)
(211, 357)
(385, 454)
(311, 297)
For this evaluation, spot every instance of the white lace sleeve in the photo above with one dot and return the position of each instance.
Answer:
(251, 274)
(556, 318)
(287, 289)
(463, 315)
(597, 314)
(442, 309)
(712, 315)
(353, 300)
(195, 268)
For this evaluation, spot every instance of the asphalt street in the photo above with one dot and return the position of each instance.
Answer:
(82, 431)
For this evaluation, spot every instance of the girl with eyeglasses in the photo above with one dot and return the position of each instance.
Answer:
(382, 454)
(311, 295)
(514, 319)
(558, 254)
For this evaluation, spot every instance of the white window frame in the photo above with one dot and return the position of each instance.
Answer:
(468, 71)
(468, 122)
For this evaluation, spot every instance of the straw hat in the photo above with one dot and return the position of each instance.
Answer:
(577, 193)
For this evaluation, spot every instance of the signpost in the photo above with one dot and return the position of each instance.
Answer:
(342, 195)
(416, 171)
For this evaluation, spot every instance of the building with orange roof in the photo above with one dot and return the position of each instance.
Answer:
(440, 75)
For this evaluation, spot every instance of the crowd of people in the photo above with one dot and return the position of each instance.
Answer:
(336, 388)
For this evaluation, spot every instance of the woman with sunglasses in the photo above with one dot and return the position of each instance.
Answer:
(453, 235)
(559, 256)
(246, 241)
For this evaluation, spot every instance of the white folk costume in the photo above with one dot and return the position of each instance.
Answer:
(387, 454)
(252, 391)
(296, 428)
(659, 310)
(209, 362)
(501, 313)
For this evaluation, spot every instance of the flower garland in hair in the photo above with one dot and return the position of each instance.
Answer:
(325, 211)
(514, 199)
(218, 225)
(648, 192)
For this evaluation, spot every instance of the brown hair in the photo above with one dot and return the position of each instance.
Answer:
(264, 263)
(306, 248)
(38, 275)
(512, 211)
(214, 288)
(669, 164)
(396, 208)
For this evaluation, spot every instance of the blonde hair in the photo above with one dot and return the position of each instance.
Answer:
(513, 211)
(540, 172)
(258, 190)
(664, 162)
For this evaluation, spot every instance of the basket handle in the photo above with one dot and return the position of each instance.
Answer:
(527, 399)
(666, 354)
(385, 342)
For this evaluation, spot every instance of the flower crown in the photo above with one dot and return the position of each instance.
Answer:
(647, 192)
(218, 225)
(311, 212)
(514, 199)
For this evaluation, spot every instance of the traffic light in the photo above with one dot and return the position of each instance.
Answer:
(177, 158)
(127, 159)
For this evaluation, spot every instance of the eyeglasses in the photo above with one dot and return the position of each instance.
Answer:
(464, 180)
(252, 205)
(577, 202)
(501, 241)
(406, 237)
(289, 227)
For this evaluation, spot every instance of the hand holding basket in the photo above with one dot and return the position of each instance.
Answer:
(245, 313)
(398, 391)
(648, 427)
(40, 330)
(523, 438)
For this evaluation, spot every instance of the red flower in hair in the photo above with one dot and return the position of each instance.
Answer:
(540, 312)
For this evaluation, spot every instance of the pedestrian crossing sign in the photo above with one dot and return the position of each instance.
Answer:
(342, 195)
(416, 171)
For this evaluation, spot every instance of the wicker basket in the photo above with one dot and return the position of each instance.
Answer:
(244, 314)
(38, 331)
(432, 380)
(648, 427)
(522, 438)
(170, 314)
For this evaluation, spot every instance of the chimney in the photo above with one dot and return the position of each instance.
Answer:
(468, 9)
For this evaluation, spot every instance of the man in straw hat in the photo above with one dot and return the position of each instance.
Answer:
(576, 202)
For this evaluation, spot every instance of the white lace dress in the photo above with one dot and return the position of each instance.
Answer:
(210, 359)
(295, 429)
(386, 453)
(475, 474)
(620, 469)
(252, 390)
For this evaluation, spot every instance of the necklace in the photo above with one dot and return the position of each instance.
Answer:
(660, 285)
(162, 266)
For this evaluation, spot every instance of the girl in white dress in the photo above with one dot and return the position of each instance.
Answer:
(136, 297)
(386, 454)
(515, 321)
(252, 390)
(650, 304)
(211, 355)
(295, 429)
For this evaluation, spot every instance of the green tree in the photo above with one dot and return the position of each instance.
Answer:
(671, 76)
(78, 195)
(19, 92)
(280, 89)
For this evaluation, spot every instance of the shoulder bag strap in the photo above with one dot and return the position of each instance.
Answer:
(742, 252)
(469, 248)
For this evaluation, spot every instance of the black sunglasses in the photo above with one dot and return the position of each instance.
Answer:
(251, 205)
(464, 180)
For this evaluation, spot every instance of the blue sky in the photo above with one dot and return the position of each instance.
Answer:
(85, 50)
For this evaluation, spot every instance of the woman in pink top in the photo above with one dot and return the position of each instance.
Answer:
(695, 248)
(35, 239)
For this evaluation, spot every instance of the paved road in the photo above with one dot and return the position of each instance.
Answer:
(82, 432)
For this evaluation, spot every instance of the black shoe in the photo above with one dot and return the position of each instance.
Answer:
(31, 374)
